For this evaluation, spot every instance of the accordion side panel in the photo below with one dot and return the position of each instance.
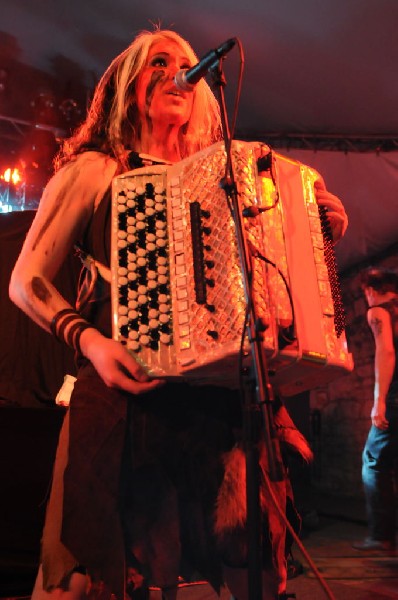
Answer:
(318, 353)
(299, 248)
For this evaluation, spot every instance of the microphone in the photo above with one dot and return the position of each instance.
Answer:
(185, 79)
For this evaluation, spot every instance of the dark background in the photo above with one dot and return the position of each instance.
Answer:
(32, 368)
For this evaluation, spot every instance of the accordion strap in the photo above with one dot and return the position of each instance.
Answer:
(89, 277)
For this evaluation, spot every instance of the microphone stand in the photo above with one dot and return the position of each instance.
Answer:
(258, 393)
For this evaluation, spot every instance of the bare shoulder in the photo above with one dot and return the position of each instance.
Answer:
(64, 211)
(91, 163)
(72, 195)
(378, 312)
(83, 181)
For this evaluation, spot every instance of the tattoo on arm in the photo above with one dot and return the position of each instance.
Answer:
(377, 326)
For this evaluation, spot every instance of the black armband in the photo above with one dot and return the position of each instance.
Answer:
(67, 325)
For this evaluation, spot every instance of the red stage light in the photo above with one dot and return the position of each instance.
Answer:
(12, 175)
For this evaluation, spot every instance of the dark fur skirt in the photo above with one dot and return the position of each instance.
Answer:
(154, 483)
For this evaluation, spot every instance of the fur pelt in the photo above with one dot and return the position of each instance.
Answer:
(231, 501)
(276, 500)
(289, 436)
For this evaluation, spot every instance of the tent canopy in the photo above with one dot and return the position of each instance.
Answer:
(314, 70)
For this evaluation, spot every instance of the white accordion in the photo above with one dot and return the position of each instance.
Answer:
(178, 299)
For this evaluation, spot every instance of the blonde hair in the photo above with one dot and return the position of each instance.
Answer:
(112, 124)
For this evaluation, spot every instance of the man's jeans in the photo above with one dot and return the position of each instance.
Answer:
(379, 479)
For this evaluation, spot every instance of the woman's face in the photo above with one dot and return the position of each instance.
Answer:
(158, 99)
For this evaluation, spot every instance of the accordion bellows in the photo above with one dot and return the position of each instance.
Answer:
(178, 298)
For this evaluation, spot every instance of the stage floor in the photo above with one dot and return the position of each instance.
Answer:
(349, 574)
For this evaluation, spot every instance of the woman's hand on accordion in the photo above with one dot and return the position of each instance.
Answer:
(335, 210)
(115, 365)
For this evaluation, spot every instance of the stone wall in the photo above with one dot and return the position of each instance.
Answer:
(340, 412)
